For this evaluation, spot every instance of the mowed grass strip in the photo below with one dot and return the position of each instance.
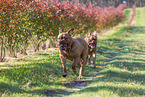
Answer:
(121, 55)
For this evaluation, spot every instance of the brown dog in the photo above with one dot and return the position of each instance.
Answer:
(74, 49)
(92, 45)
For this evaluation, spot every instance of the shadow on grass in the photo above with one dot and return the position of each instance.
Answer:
(122, 91)
(31, 76)
(121, 76)
(7, 87)
(53, 93)
(130, 66)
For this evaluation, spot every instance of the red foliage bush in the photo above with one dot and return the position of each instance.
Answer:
(122, 7)
(64, 14)
(21, 21)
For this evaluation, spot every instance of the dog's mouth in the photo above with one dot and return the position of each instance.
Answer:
(63, 46)
(92, 45)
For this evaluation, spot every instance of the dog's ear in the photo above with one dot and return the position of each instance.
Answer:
(95, 33)
(60, 31)
(89, 34)
(70, 30)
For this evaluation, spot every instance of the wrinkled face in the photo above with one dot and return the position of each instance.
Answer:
(64, 40)
(92, 42)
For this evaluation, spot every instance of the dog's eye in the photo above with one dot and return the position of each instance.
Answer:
(61, 37)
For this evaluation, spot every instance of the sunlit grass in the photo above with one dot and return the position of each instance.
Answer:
(40, 71)
(140, 13)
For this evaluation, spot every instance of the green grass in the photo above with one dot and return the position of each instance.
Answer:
(140, 13)
(120, 68)
(34, 74)
(127, 14)
(121, 55)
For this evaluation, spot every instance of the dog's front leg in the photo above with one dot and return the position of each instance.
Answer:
(63, 61)
(76, 60)
(89, 60)
(82, 62)
(94, 60)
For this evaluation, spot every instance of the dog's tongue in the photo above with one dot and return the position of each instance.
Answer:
(62, 46)
(92, 46)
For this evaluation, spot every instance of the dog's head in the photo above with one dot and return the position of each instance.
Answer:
(92, 41)
(64, 39)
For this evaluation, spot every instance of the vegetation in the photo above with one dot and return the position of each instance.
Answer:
(120, 68)
(30, 24)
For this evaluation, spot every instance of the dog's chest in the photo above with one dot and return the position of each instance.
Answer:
(69, 55)
(92, 51)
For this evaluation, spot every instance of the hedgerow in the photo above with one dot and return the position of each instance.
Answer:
(22, 22)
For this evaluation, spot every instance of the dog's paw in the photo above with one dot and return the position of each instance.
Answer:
(94, 66)
(64, 74)
(88, 63)
(80, 77)
(74, 70)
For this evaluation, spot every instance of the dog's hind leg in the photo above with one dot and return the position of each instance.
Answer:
(94, 60)
(89, 60)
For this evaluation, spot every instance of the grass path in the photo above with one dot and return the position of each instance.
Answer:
(121, 63)
(120, 69)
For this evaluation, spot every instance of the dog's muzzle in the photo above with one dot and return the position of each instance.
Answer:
(63, 45)
(92, 44)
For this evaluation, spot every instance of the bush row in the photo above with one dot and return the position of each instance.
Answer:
(28, 22)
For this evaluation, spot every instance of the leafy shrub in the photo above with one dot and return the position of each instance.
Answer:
(23, 22)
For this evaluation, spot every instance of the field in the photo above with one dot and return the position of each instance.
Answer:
(120, 68)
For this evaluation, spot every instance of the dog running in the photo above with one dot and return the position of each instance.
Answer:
(74, 49)
(92, 48)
